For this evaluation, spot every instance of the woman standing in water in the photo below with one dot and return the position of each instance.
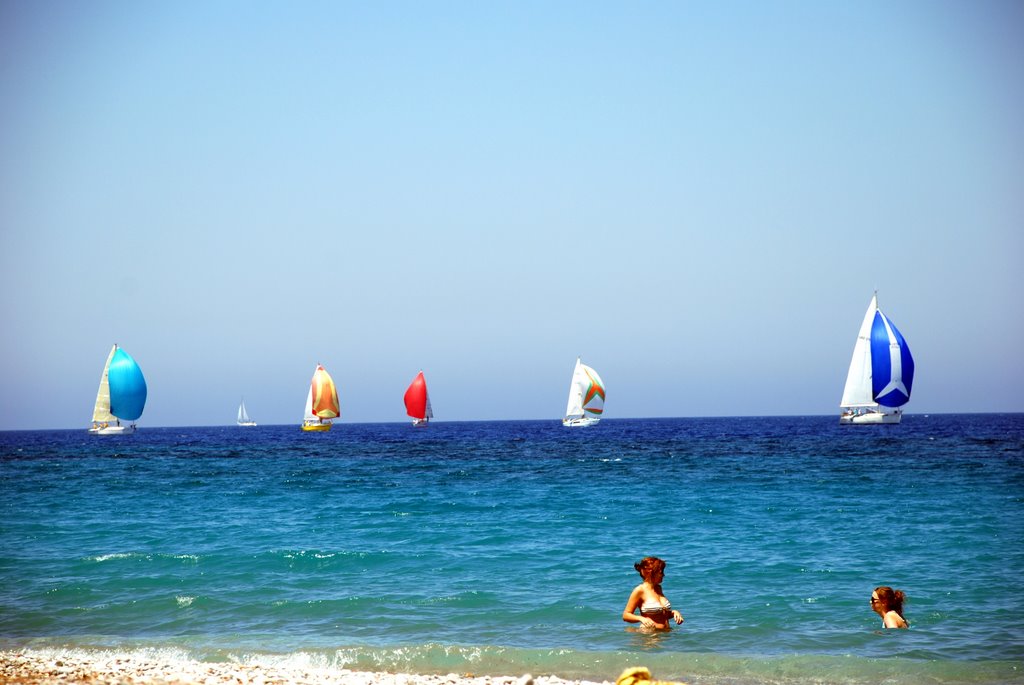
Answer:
(888, 604)
(655, 609)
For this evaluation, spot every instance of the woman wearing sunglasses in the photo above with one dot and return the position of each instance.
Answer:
(888, 604)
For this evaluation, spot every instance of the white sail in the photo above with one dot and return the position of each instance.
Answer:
(309, 416)
(574, 408)
(429, 414)
(857, 392)
(101, 412)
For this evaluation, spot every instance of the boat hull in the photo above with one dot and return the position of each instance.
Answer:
(246, 423)
(316, 427)
(112, 430)
(870, 418)
(581, 422)
(420, 422)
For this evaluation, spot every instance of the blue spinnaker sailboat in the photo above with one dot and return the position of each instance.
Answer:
(121, 395)
(881, 372)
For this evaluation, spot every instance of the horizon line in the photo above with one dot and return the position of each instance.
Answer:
(624, 418)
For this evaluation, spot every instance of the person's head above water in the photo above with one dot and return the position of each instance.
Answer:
(649, 567)
(888, 604)
(884, 599)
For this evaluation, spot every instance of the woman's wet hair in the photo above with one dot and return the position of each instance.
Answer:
(648, 566)
(891, 599)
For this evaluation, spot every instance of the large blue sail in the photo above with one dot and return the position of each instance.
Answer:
(127, 387)
(892, 366)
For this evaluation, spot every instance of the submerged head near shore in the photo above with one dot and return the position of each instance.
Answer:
(655, 609)
(888, 604)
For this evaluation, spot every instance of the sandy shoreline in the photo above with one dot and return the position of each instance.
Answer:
(55, 667)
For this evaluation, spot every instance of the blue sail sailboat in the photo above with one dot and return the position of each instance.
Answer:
(121, 395)
(881, 372)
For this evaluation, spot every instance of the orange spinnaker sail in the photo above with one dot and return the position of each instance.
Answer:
(325, 395)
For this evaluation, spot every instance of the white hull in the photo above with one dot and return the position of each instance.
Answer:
(112, 430)
(420, 422)
(871, 416)
(581, 422)
(246, 423)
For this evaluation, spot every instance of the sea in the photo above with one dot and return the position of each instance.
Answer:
(505, 548)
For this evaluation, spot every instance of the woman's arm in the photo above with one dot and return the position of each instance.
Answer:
(628, 614)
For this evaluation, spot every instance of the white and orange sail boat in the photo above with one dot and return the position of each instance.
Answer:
(417, 401)
(321, 402)
(586, 398)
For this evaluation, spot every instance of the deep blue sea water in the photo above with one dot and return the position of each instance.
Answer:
(505, 548)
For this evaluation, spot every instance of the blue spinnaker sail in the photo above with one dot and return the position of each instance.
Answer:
(892, 366)
(127, 387)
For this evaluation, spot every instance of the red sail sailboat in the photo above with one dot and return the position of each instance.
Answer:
(417, 401)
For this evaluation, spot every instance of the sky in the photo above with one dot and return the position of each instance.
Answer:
(698, 198)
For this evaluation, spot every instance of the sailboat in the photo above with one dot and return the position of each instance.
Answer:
(881, 372)
(586, 397)
(121, 395)
(321, 402)
(417, 401)
(243, 416)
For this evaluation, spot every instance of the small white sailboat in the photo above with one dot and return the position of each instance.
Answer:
(243, 416)
(881, 372)
(321, 402)
(417, 401)
(121, 395)
(586, 397)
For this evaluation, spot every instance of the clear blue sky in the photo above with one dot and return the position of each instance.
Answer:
(697, 197)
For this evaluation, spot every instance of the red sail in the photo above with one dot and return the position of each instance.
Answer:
(416, 398)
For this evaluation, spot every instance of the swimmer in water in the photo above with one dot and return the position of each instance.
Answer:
(888, 604)
(655, 609)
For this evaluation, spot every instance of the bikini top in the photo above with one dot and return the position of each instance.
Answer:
(655, 608)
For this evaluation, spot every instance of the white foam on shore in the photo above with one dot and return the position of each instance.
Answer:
(159, 666)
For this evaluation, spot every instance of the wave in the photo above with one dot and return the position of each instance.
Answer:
(470, 660)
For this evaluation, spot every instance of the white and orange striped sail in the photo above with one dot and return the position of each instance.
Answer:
(417, 401)
(321, 403)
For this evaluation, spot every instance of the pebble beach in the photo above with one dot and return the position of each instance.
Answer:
(51, 667)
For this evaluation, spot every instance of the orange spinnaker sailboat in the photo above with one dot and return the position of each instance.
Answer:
(321, 403)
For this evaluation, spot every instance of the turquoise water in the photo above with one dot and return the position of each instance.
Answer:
(504, 548)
